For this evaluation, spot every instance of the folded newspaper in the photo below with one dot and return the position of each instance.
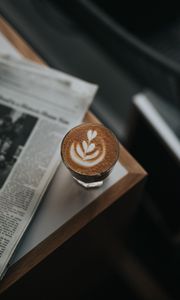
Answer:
(38, 105)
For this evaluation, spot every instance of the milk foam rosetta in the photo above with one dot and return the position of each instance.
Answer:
(89, 149)
(87, 153)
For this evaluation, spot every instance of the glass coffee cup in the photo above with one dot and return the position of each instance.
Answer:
(90, 151)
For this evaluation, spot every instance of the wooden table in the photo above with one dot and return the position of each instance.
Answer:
(134, 179)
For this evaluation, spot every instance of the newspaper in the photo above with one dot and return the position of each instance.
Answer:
(38, 105)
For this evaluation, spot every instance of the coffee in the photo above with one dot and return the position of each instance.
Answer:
(90, 151)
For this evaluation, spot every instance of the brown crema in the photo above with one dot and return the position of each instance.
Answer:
(90, 151)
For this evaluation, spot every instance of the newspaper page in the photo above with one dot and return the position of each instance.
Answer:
(38, 105)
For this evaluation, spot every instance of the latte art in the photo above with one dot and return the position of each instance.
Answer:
(87, 153)
(90, 151)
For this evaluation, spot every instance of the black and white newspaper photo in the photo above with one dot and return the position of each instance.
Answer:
(15, 128)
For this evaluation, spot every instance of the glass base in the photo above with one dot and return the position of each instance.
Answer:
(88, 185)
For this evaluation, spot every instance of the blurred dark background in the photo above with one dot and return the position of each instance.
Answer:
(126, 51)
